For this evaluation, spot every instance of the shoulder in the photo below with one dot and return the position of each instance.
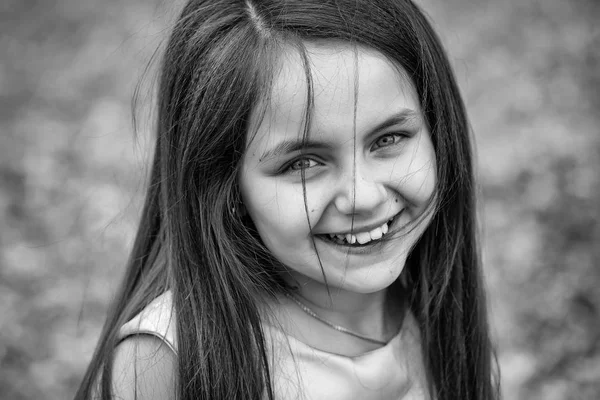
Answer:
(157, 319)
(144, 369)
(145, 359)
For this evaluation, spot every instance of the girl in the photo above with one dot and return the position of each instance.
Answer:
(309, 229)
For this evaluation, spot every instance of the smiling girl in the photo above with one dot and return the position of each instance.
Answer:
(309, 230)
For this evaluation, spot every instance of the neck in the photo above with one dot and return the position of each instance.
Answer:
(377, 315)
(366, 313)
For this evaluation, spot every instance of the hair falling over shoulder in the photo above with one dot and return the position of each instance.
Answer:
(217, 68)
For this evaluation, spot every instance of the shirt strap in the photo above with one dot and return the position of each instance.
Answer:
(157, 319)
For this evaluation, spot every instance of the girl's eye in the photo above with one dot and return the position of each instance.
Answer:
(388, 140)
(302, 163)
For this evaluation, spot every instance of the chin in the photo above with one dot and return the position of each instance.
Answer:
(367, 279)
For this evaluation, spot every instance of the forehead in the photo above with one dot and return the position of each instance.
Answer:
(353, 88)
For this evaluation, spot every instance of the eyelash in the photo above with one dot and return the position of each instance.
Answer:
(289, 169)
(397, 136)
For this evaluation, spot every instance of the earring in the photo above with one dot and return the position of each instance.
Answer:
(239, 210)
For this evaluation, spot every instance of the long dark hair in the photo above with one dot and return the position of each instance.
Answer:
(218, 65)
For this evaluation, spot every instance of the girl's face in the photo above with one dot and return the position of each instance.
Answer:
(368, 160)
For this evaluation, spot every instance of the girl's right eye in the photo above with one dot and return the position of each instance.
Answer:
(301, 164)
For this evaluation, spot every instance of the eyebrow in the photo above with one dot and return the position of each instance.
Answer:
(404, 117)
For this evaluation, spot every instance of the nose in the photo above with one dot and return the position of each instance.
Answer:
(359, 193)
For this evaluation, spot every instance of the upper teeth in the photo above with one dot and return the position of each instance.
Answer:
(364, 237)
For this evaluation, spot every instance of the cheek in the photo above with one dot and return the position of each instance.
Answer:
(277, 211)
(422, 183)
(418, 178)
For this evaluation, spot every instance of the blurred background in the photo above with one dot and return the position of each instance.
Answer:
(72, 173)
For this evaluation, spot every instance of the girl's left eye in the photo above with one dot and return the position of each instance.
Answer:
(300, 164)
(388, 139)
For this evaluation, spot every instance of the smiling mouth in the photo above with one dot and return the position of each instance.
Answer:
(361, 239)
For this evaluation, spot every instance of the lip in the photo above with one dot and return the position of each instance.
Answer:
(366, 228)
(367, 248)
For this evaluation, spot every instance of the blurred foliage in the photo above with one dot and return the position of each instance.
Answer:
(72, 171)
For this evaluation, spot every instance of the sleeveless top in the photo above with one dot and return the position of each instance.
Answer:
(299, 371)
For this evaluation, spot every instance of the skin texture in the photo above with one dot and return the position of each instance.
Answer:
(361, 177)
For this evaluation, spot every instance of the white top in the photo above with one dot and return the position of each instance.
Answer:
(392, 372)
